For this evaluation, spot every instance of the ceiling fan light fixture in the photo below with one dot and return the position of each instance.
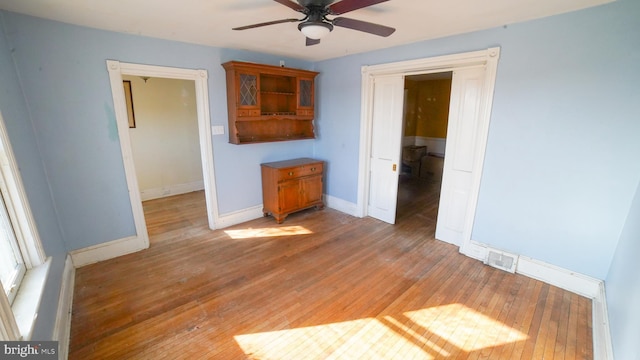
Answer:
(315, 30)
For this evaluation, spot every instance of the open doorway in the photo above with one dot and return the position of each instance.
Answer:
(472, 85)
(199, 77)
(425, 119)
(163, 128)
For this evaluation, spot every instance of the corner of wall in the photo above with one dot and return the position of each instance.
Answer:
(62, 327)
(574, 282)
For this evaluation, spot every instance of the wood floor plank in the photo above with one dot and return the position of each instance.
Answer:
(321, 285)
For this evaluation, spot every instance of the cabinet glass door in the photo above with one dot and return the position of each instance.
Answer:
(306, 93)
(248, 90)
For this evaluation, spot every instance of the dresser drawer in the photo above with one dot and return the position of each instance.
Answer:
(299, 171)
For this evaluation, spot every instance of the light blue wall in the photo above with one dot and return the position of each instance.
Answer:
(561, 167)
(623, 288)
(65, 80)
(26, 150)
(562, 158)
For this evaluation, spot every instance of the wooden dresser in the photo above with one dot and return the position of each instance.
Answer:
(291, 185)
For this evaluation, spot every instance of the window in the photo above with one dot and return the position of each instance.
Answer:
(12, 267)
(23, 265)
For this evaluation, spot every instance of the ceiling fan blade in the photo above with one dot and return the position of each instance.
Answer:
(265, 24)
(292, 5)
(345, 6)
(312, 41)
(360, 25)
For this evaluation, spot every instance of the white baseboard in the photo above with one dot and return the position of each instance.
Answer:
(565, 279)
(341, 205)
(474, 250)
(170, 190)
(602, 345)
(108, 250)
(62, 328)
(568, 280)
(238, 217)
(582, 285)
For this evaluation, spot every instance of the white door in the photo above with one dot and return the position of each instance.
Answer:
(388, 100)
(460, 153)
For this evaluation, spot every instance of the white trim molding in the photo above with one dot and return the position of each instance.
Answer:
(171, 190)
(27, 303)
(200, 77)
(569, 280)
(17, 319)
(572, 281)
(582, 285)
(565, 279)
(238, 217)
(62, 327)
(487, 58)
(17, 204)
(255, 212)
(602, 344)
(341, 205)
(108, 250)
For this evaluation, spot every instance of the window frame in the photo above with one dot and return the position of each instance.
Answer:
(6, 224)
(17, 318)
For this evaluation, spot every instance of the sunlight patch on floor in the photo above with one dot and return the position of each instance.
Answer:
(420, 334)
(356, 339)
(464, 327)
(268, 232)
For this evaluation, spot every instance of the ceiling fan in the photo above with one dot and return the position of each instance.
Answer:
(315, 23)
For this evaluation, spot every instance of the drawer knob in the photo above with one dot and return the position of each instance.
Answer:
(313, 169)
(290, 173)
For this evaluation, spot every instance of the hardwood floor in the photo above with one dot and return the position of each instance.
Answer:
(321, 285)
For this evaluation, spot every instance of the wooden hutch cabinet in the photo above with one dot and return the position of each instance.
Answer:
(291, 185)
(269, 103)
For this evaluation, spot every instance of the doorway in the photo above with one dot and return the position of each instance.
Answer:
(163, 128)
(425, 120)
(471, 99)
(199, 77)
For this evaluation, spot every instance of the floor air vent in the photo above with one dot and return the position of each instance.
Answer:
(501, 260)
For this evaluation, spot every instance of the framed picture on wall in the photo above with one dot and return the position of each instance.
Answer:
(129, 102)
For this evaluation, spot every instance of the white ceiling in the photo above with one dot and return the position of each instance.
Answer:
(209, 22)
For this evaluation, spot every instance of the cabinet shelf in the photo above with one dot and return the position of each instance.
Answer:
(269, 103)
(262, 139)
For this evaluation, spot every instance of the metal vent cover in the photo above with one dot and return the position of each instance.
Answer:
(501, 260)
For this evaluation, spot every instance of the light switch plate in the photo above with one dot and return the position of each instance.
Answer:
(217, 130)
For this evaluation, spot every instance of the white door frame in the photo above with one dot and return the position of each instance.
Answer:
(116, 70)
(487, 58)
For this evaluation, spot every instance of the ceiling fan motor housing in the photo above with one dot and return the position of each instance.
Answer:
(315, 24)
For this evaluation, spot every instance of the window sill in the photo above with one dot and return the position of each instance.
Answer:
(27, 302)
